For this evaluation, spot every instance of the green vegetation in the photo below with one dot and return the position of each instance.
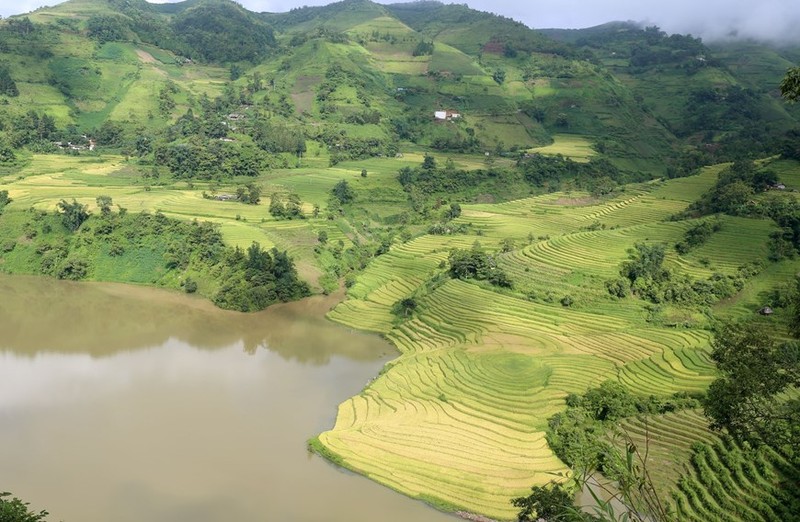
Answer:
(753, 397)
(578, 435)
(790, 85)
(589, 206)
(224, 32)
(15, 510)
(147, 248)
(704, 475)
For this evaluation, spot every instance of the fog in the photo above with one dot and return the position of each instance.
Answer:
(772, 20)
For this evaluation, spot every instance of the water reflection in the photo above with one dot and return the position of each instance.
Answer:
(43, 315)
(125, 404)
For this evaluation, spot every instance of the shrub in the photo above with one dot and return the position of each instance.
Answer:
(73, 269)
(190, 285)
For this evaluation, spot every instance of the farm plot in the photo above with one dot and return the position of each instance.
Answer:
(49, 179)
(481, 371)
(577, 148)
(709, 477)
(465, 406)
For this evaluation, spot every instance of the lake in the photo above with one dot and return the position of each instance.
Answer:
(134, 404)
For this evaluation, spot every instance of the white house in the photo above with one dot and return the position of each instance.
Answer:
(445, 115)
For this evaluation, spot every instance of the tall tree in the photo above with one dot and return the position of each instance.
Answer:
(8, 86)
(753, 398)
(73, 214)
(343, 192)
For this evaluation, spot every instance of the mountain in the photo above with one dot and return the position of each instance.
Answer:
(485, 192)
(640, 98)
(721, 97)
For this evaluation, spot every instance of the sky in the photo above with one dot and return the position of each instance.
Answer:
(776, 20)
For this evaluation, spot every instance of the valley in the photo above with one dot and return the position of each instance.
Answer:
(525, 216)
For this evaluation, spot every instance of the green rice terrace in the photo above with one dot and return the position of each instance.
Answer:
(459, 418)
(524, 215)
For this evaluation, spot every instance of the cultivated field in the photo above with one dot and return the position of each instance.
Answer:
(708, 477)
(458, 418)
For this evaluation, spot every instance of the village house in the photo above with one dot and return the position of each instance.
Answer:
(447, 115)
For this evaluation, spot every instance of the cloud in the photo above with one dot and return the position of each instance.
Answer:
(711, 19)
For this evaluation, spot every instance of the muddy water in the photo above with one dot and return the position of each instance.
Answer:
(131, 404)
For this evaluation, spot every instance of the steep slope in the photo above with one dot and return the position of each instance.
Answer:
(714, 97)
(206, 30)
(61, 72)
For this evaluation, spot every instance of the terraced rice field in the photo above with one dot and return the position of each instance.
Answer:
(476, 364)
(459, 418)
(711, 478)
(578, 148)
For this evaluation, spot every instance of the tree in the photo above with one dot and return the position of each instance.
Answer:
(294, 208)
(13, 509)
(189, 285)
(645, 261)
(109, 133)
(8, 86)
(499, 76)
(550, 502)
(343, 192)
(236, 72)
(453, 212)
(790, 86)
(6, 153)
(757, 371)
(4, 199)
(143, 145)
(404, 307)
(104, 203)
(476, 264)
(106, 28)
(250, 194)
(428, 163)
(603, 186)
(363, 173)
(73, 214)
(276, 207)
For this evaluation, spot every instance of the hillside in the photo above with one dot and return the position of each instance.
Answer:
(481, 190)
(721, 98)
(514, 88)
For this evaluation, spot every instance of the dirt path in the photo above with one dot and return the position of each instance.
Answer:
(145, 57)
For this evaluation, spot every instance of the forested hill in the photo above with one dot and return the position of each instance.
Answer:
(363, 79)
